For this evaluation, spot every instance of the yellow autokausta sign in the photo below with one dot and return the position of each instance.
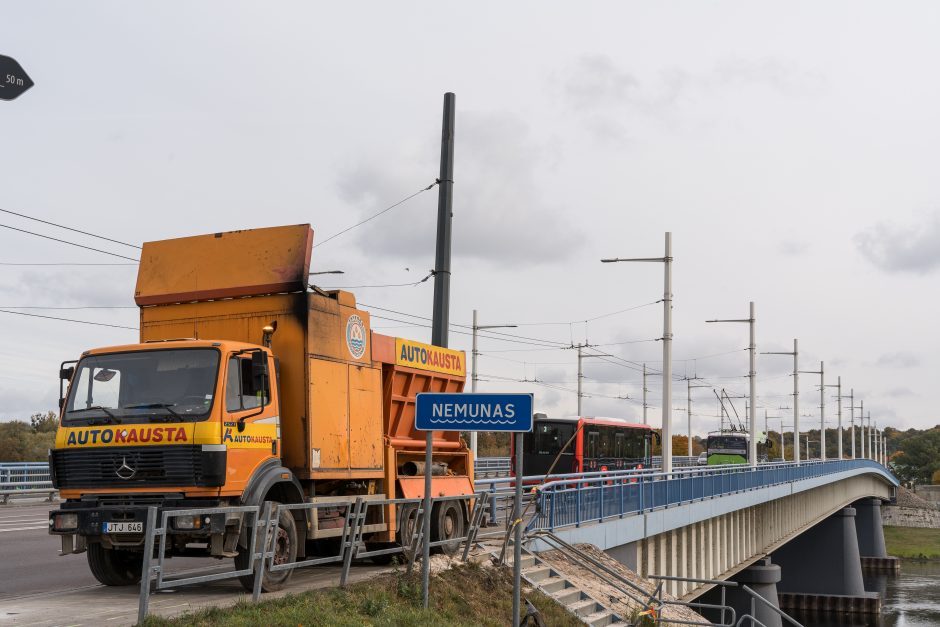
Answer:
(426, 357)
(138, 435)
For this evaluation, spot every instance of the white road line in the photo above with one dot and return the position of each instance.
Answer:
(24, 528)
(4, 519)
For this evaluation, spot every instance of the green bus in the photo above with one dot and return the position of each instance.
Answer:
(730, 447)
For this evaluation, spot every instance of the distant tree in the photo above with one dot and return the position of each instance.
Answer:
(919, 457)
(22, 442)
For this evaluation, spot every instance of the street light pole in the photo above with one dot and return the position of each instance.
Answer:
(752, 420)
(822, 409)
(796, 399)
(838, 386)
(861, 422)
(473, 360)
(666, 260)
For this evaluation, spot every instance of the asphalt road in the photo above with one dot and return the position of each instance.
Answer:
(29, 556)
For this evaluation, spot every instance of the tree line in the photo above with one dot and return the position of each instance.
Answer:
(28, 441)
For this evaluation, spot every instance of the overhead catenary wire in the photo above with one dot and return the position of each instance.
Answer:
(97, 324)
(412, 284)
(376, 215)
(63, 241)
(68, 228)
(67, 263)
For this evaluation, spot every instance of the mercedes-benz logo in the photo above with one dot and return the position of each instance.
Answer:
(124, 471)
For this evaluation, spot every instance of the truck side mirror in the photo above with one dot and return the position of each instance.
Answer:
(66, 373)
(259, 365)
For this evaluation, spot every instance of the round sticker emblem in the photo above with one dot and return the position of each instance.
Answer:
(356, 336)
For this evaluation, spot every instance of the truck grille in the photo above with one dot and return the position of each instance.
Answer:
(150, 466)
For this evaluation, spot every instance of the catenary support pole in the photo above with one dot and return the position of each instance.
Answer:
(752, 445)
(580, 377)
(796, 402)
(822, 412)
(667, 356)
(473, 381)
(839, 388)
(852, 417)
(861, 423)
(441, 317)
(645, 419)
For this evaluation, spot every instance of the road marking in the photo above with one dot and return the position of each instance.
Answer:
(4, 519)
(24, 528)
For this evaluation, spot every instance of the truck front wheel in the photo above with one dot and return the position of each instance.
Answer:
(285, 552)
(114, 567)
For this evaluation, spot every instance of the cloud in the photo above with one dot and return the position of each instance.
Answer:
(900, 392)
(792, 247)
(894, 248)
(500, 213)
(602, 93)
(899, 359)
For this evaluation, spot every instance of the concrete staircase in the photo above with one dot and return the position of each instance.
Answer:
(554, 584)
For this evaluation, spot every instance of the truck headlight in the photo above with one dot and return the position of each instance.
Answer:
(187, 522)
(65, 522)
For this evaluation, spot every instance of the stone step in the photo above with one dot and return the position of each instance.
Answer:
(554, 584)
(568, 595)
(602, 618)
(527, 561)
(584, 607)
(537, 573)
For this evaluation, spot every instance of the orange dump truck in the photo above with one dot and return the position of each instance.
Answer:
(247, 386)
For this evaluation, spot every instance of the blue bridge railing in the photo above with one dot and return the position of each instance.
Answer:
(568, 502)
(24, 479)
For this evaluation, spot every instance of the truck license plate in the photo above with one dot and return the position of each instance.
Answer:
(123, 527)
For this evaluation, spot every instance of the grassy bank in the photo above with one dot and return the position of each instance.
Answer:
(913, 542)
(467, 595)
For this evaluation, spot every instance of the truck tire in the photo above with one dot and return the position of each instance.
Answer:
(114, 567)
(285, 552)
(448, 521)
(408, 519)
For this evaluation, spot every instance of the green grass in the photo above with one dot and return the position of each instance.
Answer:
(913, 542)
(467, 595)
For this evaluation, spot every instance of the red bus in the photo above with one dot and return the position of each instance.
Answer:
(599, 444)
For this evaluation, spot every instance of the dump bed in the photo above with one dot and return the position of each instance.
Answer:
(347, 394)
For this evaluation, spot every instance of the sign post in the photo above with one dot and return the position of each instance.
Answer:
(13, 79)
(484, 412)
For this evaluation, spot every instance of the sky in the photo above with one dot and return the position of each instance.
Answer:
(789, 147)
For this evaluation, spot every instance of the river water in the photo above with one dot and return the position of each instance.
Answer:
(911, 599)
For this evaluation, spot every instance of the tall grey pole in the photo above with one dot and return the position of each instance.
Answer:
(752, 446)
(822, 412)
(796, 402)
(645, 420)
(667, 356)
(580, 376)
(861, 423)
(688, 413)
(473, 380)
(839, 386)
(852, 417)
(871, 439)
(667, 347)
(441, 317)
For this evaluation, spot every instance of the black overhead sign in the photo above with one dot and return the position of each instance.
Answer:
(13, 79)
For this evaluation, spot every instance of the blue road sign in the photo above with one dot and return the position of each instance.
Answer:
(474, 412)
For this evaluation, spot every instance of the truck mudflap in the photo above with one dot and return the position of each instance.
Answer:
(413, 487)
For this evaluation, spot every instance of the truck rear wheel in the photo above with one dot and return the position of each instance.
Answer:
(448, 521)
(114, 567)
(285, 552)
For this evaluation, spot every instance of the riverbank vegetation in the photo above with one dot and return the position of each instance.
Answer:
(913, 542)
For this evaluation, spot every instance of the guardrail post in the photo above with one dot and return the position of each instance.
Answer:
(578, 508)
(143, 604)
(261, 531)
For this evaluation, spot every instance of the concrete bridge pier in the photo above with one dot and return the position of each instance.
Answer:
(822, 569)
(762, 578)
(871, 537)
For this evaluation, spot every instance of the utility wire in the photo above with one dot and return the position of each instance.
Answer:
(374, 216)
(97, 324)
(350, 287)
(76, 307)
(68, 228)
(56, 239)
(3, 263)
(606, 315)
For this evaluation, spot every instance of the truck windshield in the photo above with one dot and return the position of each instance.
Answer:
(174, 384)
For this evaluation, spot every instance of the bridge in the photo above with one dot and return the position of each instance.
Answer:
(818, 522)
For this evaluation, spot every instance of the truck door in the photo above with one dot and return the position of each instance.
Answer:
(251, 424)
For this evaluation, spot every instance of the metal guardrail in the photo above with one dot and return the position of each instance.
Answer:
(25, 479)
(262, 521)
(565, 502)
